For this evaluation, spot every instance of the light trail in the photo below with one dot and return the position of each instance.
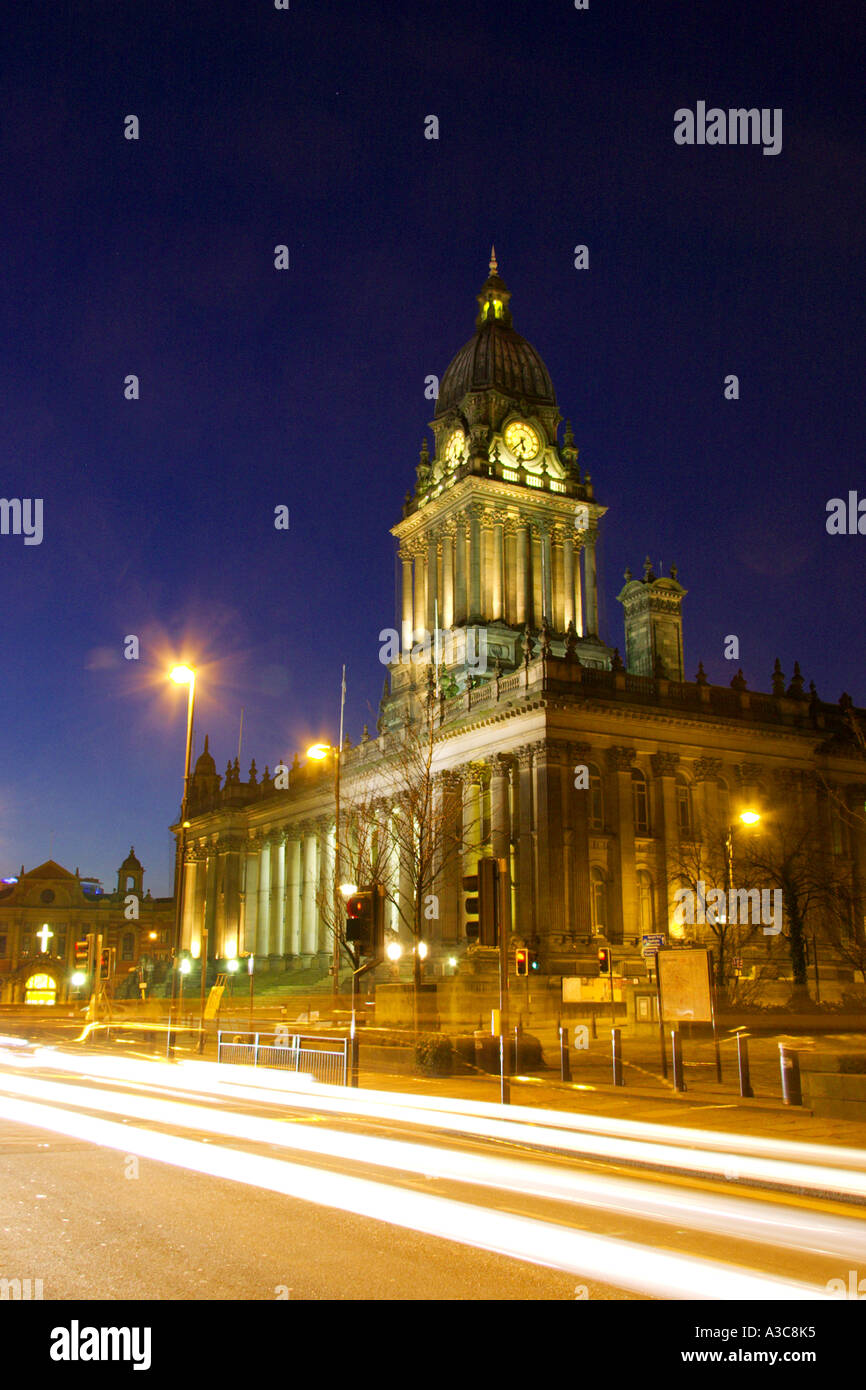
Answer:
(816, 1232)
(600, 1258)
(730, 1157)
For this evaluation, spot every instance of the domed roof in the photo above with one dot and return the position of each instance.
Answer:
(130, 862)
(496, 357)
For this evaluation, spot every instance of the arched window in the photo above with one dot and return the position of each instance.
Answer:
(598, 899)
(127, 946)
(640, 801)
(646, 911)
(596, 799)
(684, 805)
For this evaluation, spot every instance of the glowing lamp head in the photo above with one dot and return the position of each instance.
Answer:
(750, 817)
(77, 980)
(185, 966)
(182, 675)
(393, 950)
(232, 966)
(422, 949)
(319, 751)
(348, 890)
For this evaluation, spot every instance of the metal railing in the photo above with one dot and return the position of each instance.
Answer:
(327, 1059)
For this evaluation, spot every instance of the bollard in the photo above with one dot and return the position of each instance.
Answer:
(743, 1065)
(677, 1050)
(564, 1059)
(616, 1050)
(792, 1091)
(353, 1060)
(594, 1033)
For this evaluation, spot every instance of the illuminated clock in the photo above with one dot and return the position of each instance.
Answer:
(522, 440)
(455, 448)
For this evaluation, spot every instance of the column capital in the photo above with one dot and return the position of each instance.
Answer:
(665, 764)
(747, 772)
(524, 755)
(708, 769)
(619, 758)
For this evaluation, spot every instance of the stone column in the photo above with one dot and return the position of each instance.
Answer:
(408, 615)
(568, 611)
(432, 583)
(623, 898)
(309, 915)
(522, 610)
(525, 925)
(420, 595)
(446, 617)
(229, 939)
(497, 597)
(325, 888)
(475, 612)
(189, 926)
(277, 942)
(581, 756)
(664, 766)
(263, 914)
(591, 591)
(500, 822)
(251, 896)
(293, 895)
(546, 577)
(460, 573)
(707, 773)
(210, 900)
(450, 899)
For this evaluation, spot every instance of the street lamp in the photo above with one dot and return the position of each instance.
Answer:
(318, 752)
(182, 675)
(746, 818)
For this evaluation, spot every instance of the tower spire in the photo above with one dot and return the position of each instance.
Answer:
(494, 267)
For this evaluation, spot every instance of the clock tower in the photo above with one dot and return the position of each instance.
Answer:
(497, 541)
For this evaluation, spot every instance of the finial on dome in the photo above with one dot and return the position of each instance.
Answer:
(494, 267)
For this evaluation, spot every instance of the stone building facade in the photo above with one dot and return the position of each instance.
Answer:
(586, 774)
(46, 910)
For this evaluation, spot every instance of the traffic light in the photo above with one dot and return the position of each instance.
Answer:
(108, 961)
(603, 960)
(82, 956)
(482, 903)
(365, 921)
(526, 960)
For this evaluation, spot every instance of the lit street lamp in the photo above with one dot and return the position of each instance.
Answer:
(181, 675)
(318, 752)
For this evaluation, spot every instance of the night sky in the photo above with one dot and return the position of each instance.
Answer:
(305, 387)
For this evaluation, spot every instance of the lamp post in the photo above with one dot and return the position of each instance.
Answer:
(318, 753)
(181, 675)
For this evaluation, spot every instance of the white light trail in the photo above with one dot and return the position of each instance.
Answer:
(727, 1157)
(710, 1212)
(618, 1263)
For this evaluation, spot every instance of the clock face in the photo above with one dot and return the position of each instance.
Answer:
(522, 440)
(455, 447)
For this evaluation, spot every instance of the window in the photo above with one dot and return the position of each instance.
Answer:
(2, 945)
(598, 899)
(684, 805)
(645, 903)
(127, 946)
(640, 802)
(596, 798)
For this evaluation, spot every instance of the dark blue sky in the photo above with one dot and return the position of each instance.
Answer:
(306, 127)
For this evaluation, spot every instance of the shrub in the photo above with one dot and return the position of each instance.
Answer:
(434, 1054)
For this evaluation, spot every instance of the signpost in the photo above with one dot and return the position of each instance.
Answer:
(686, 991)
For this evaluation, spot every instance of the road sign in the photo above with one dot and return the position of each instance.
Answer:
(651, 945)
(214, 999)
